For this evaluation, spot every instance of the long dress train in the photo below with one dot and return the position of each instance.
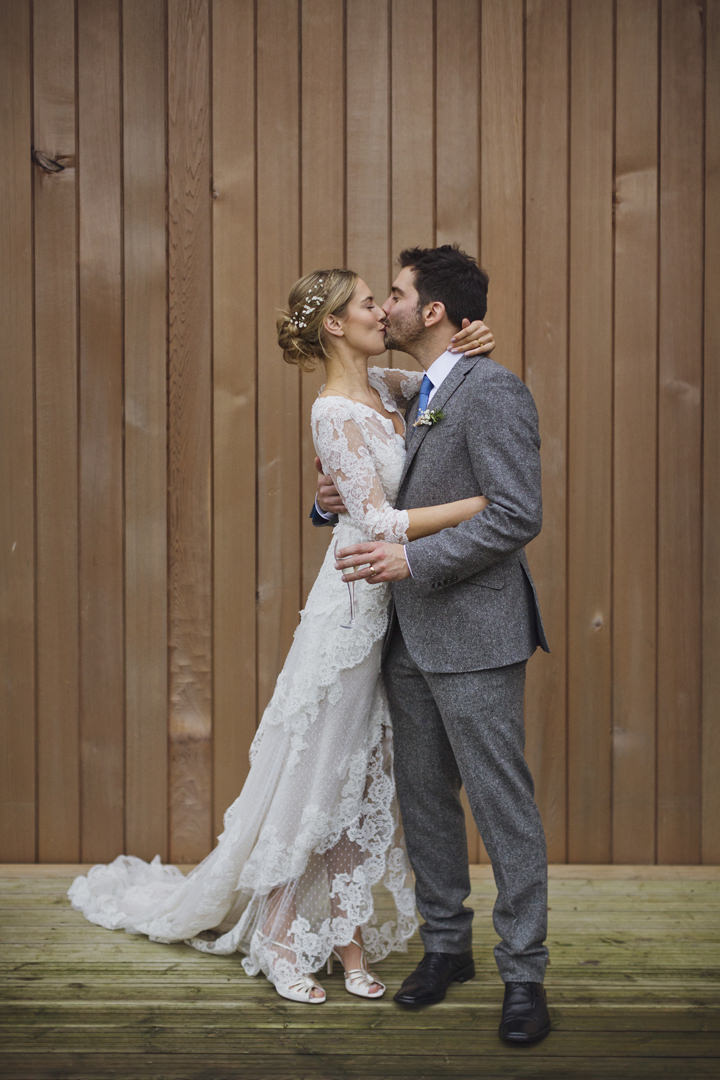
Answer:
(316, 826)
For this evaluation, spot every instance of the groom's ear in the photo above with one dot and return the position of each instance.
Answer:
(433, 313)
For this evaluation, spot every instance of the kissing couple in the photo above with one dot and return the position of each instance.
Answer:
(404, 680)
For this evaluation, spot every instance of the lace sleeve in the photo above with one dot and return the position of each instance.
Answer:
(401, 385)
(341, 446)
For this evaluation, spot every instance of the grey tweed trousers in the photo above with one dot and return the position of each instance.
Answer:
(467, 729)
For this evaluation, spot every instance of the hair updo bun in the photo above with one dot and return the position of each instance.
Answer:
(300, 331)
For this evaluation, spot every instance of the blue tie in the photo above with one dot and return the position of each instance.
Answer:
(425, 388)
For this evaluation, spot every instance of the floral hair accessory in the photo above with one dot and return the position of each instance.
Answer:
(312, 303)
(429, 417)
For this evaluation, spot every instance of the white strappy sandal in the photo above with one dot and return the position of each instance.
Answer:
(301, 989)
(358, 980)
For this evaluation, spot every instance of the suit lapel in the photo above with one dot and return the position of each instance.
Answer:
(415, 435)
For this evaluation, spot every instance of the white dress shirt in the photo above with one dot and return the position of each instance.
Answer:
(440, 369)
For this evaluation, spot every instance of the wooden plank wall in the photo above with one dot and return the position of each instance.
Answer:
(192, 157)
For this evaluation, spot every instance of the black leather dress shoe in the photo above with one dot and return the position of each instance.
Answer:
(429, 981)
(525, 1018)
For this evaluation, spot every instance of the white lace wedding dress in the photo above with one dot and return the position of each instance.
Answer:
(316, 826)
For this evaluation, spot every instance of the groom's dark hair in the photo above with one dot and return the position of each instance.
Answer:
(451, 276)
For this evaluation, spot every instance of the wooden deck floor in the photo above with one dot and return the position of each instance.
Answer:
(634, 990)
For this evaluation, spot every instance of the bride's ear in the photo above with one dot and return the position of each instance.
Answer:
(332, 325)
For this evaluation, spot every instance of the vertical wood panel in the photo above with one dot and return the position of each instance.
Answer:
(457, 172)
(279, 501)
(711, 450)
(679, 419)
(501, 156)
(322, 212)
(590, 369)
(413, 124)
(102, 675)
(367, 120)
(234, 401)
(145, 318)
(499, 83)
(457, 143)
(56, 449)
(17, 543)
(190, 433)
(546, 372)
(635, 434)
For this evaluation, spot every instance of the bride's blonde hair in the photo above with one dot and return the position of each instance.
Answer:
(312, 298)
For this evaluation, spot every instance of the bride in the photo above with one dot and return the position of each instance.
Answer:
(316, 827)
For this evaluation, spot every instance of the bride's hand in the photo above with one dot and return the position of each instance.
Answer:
(473, 339)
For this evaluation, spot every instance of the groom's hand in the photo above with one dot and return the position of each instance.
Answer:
(373, 562)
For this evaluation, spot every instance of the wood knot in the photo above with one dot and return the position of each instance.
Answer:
(49, 164)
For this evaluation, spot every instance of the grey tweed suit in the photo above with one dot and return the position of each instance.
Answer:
(462, 630)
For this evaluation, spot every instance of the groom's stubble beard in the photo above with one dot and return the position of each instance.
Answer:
(405, 333)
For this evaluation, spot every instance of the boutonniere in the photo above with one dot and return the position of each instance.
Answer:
(429, 417)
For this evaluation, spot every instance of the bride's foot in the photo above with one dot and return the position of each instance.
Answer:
(295, 987)
(358, 980)
(304, 988)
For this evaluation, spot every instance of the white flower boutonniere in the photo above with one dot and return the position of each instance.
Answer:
(429, 417)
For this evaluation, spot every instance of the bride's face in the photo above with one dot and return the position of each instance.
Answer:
(363, 322)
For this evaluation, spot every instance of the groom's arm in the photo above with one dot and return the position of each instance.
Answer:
(504, 446)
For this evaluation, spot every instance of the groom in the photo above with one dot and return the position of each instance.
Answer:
(465, 622)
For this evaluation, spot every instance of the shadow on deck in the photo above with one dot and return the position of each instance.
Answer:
(633, 988)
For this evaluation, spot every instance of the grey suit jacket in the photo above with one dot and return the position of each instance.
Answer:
(471, 602)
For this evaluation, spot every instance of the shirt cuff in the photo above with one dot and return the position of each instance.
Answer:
(407, 560)
(325, 516)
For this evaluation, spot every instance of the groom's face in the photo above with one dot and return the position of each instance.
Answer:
(405, 323)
